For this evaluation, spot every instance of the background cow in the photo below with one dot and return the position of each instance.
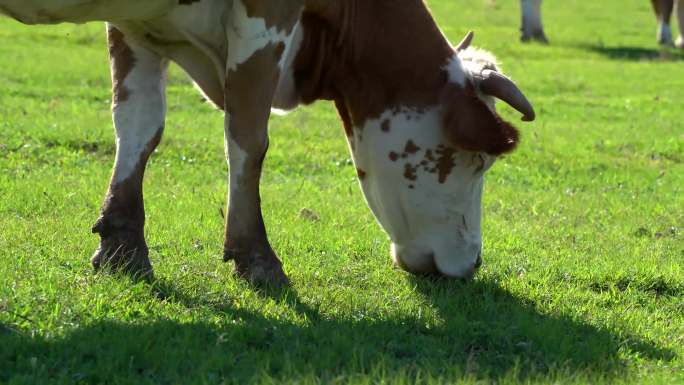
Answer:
(532, 28)
(421, 122)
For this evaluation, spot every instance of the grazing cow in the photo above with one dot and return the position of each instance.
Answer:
(418, 113)
(532, 28)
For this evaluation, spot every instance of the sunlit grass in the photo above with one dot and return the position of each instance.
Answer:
(583, 279)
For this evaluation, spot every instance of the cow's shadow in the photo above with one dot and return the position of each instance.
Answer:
(483, 331)
(630, 53)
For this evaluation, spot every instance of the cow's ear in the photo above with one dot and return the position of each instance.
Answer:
(469, 124)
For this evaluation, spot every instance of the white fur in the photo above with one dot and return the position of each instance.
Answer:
(475, 60)
(247, 35)
(427, 219)
(139, 118)
(454, 68)
(431, 223)
(237, 159)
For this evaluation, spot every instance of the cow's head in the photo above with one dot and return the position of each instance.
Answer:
(420, 120)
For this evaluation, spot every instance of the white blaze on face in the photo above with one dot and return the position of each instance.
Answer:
(425, 194)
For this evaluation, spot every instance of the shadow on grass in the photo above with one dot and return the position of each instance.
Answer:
(636, 53)
(486, 333)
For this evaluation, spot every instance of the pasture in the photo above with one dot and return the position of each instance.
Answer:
(583, 275)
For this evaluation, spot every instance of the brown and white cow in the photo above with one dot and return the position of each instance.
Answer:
(418, 113)
(532, 28)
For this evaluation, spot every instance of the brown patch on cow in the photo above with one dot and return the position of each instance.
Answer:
(385, 126)
(410, 172)
(361, 174)
(350, 35)
(411, 148)
(249, 91)
(346, 119)
(471, 125)
(122, 62)
(249, 88)
(283, 16)
(440, 161)
(428, 156)
(445, 162)
(663, 9)
(125, 199)
(122, 221)
(354, 52)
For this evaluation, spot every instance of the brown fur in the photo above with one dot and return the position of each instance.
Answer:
(370, 56)
(249, 90)
(363, 65)
(663, 9)
(283, 17)
(122, 62)
(472, 126)
(121, 224)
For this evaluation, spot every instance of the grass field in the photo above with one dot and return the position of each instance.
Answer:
(583, 280)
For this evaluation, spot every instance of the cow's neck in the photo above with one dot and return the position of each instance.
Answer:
(371, 56)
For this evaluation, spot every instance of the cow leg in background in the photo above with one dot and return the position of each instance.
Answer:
(250, 87)
(532, 28)
(138, 107)
(663, 11)
(680, 23)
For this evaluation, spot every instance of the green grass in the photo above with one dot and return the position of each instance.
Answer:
(583, 279)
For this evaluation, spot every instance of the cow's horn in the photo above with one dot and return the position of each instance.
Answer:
(501, 87)
(465, 43)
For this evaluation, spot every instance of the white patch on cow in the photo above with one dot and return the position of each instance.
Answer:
(139, 118)
(429, 221)
(475, 61)
(247, 35)
(454, 68)
(237, 158)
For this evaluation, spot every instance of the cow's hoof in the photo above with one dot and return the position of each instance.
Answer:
(537, 36)
(259, 268)
(123, 253)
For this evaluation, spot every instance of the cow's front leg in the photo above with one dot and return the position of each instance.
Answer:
(250, 87)
(663, 11)
(532, 28)
(680, 22)
(138, 110)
